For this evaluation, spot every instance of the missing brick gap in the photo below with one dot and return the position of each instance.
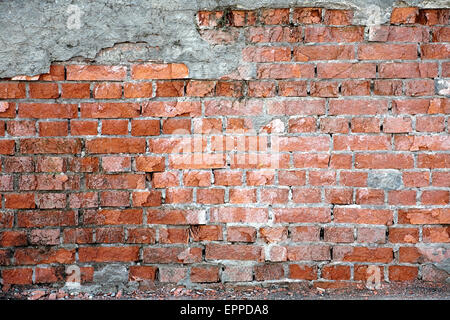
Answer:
(321, 235)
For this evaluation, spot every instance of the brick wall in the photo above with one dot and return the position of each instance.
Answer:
(325, 153)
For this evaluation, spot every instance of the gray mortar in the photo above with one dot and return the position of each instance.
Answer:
(33, 33)
(385, 179)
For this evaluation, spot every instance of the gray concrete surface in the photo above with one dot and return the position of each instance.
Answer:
(34, 33)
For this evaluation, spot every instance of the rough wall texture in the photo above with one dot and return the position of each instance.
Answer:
(287, 144)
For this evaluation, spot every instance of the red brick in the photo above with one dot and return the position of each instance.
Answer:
(170, 108)
(206, 233)
(114, 127)
(199, 88)
(369, 196)
(407, 70)
(387, 51)
(440, 34)
(307, 15)
(324, 52)
(296, 107)
(22, 276)
(229, 215)
(362, 254)
(238, 195)
(345, 70)
(110, 110)
(362, 142)
(116, 145)
(402, 197)
(274, 195)
(383, 161)
(365, 125)
(334, 34)
(324, 89)
(146, 198)
(47, 110)
(98, 72)
(12, 90)
(35, 219)
(404, 15)
(229, 89)
(399, 34)
(205, 274)
(7, 147)
(424, 216)
(403, 273)
(365, 216)
(441, 179)
(430, 124)
(233, 252)
(172, 255)
(274, 34)
(269, 272)
(21, 128)
(145, 127)
(44, 91)
(83, 128)
(416, 88)
(338, 17)
(403, 235)
(285, 71)
(50, 145)
(308, 253)
(388, 87)
(433, 16)
(107, 90)
(113, 217)
(53, 129)
(302, 215)
(435, 51)
(292, 88)
(261, 89)
(339, 196)
(433, 161)
(116, 164)
(336, 272)
(75, 90)
(138, 90)
(31, 256)
(435, 197)
(173, 235)
(49, 275)
(355, 88)
(19, 201)
(13, 239)
(371, 235)
(436, 235)
(108, 254)
(303, 272)
(141, 235)
(274, 16)
(266, 54)
(241, 234)
(142, 273)
(159, 71)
